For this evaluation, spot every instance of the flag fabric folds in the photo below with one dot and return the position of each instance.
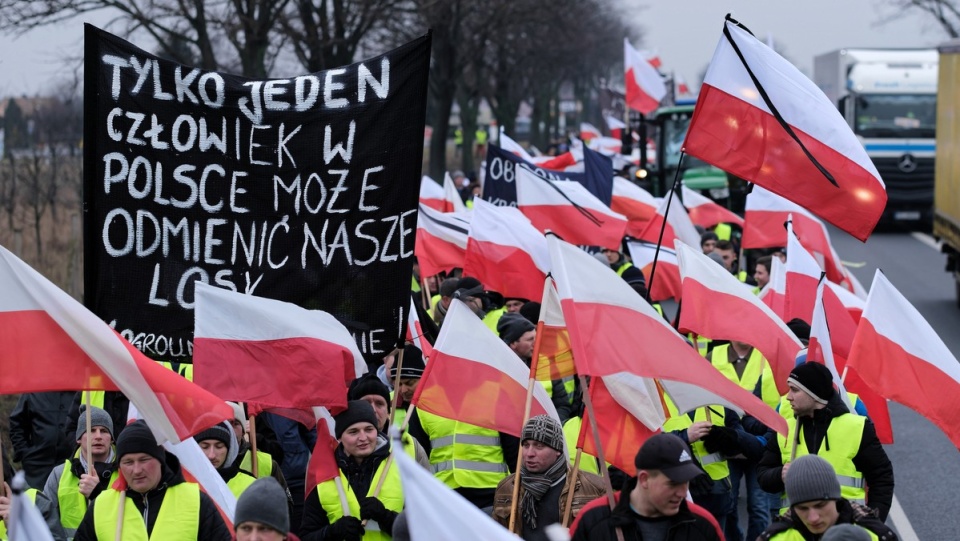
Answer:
(705, 212)
(53, 343)
(273, 353)
(718, 305)
(679, 226)
(784, 131)
(820, 348)
(415, 333)
(899, 355)
(556, 352)
(323, 462)
(666, 283)
(451, 196)
(441, 240)
(432, 194)
(621, 432)
(635, 203)
(614, 330)
(506, 252)
(474, 377)
(569, 210)
(775, 292)
(644, 84)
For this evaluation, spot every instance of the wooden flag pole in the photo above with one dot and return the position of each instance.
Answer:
(397, 400)
(568, 505)
(118, 534)
(602, 460)
(424, 294)
(254, 463)
(89, 446)
(344, 505)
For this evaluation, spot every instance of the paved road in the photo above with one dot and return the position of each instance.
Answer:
(926, 464)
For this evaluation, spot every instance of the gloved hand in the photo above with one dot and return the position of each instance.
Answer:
(723, 440)
(373, 509)
(701, 485)
(344, 529)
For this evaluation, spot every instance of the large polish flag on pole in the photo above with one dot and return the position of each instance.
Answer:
(51, 342)
(270, 352)
(821, 348)
(716, 304)
(644, 84)
(614, 330)
(475, 378)
(759, 118)
(705, 212)
(899, 355)
(441, 240)
(505, 252)
(637, 204)
(679, 227)
(667, 284)
(569, 210)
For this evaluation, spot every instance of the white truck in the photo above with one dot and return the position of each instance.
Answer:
(889, 98)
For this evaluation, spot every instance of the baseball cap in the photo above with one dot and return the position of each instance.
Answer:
(669, 454)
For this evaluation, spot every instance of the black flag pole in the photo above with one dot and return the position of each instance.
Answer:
(656, 253)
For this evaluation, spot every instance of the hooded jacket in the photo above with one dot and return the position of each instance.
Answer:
(211, 525)
(871, 460)
(849, 513)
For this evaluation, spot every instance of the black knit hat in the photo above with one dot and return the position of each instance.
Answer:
(512, 326)
(137, 438)
(368, 384)
(413, 365)
(357, 411)
(216, 432)
(811, 478)
(265, 502)
(814, 379)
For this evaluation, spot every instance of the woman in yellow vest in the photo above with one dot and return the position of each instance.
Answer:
(220, 446)
(362, 457)
(158, 503)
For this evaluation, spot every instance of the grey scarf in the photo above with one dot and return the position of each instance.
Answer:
(535, 485)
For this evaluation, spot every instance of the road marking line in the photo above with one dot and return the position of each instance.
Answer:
(901, 522)
(926, 239)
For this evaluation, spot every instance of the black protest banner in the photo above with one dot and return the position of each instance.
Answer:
(301, 189)
(498, 181)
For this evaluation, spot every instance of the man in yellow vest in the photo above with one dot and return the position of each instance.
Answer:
(69, 486)
(821, 424)
(818, 508)
(220, 447)
(158, 502)
(262, 513)
(362, 458)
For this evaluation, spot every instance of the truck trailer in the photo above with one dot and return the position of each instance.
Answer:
(889, 99)
(946, 218)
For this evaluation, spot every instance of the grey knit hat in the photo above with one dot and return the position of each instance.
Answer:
(546, 430)
(98, 417)
(811, 478)
(265, 502)
(846, 532)
(512, 326)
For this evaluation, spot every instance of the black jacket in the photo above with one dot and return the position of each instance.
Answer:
(849, 513)
(599, 523)
(871, 460)
(211, 526)
(40, 434)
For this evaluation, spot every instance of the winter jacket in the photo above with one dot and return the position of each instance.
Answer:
(40, 434)
(587, 488)
(211, 525)
(849, 513)
(871, 460)
(105, 470)
(597, 522)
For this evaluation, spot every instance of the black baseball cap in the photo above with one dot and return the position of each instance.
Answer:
(669, 454)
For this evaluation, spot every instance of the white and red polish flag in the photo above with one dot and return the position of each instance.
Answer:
(644, 84)
(705, 212)
(852, 303)
(323, 461)
(784, 135)
(820, 349)
(615, 126)
(899, 355)
(555, 359)
(441, 240)
(683, 89)
(614, 330)
(635, 203)
(588, 131)
(716, 304)
(451, 197)
(279, 354)
(653, 57)
(803, 279)
(505, 252)
(628, 413)
(679, 227)
(563, 162)
(415, 332)
(775, 292)
(569, 210)
(51, 342)
(432, 194)
(474, 377)
(666, 283)
(510, 145)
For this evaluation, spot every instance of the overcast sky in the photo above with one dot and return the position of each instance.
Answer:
(684, 32)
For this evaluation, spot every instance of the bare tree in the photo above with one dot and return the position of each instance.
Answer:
(946, 13)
